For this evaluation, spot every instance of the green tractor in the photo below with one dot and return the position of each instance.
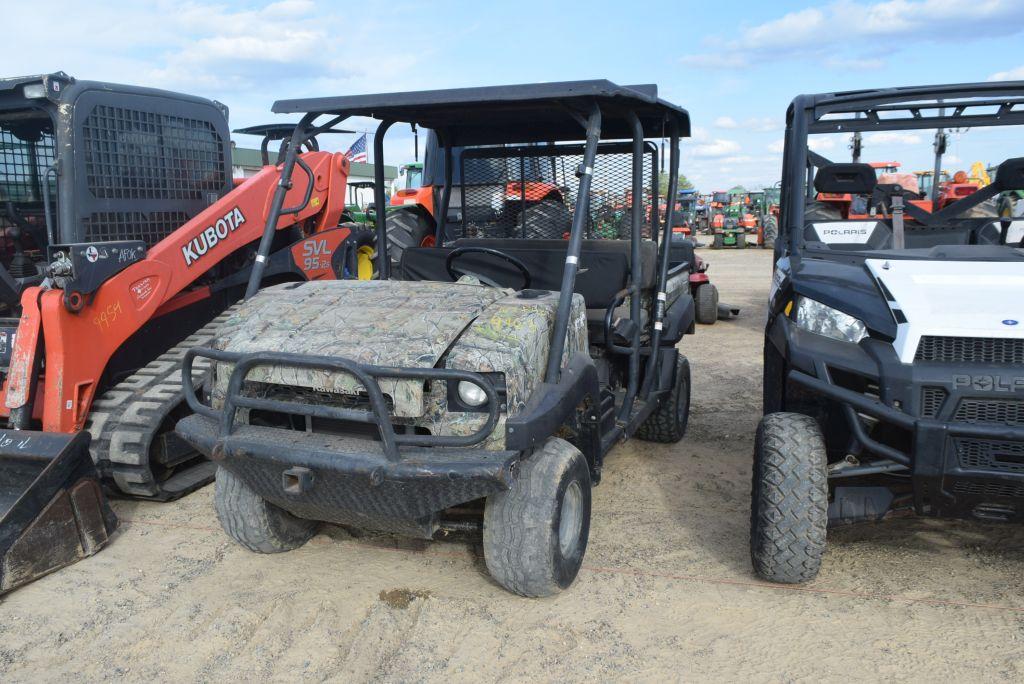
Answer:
(730, 224)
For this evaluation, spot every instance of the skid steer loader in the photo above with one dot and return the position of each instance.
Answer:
(124, 240)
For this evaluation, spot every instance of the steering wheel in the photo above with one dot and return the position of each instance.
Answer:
(459, 251)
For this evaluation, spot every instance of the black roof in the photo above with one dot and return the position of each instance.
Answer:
(991, 103)
(278, 131)
(538, 112)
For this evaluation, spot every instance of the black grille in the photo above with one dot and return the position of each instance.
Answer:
(26, 152)
(531, 191)
(932, 399)
(990, 489)
(993, 350)
(131, 154)
(150, 227)
(1000, 411)
(987, 454)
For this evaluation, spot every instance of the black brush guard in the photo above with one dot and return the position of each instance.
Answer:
(52, 510)
(399, 483)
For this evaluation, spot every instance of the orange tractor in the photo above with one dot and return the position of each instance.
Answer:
(125, 240)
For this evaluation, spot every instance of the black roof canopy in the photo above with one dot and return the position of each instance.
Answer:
(540, 112)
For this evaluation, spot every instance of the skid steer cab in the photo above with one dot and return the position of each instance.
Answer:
(894, 348)
(126, 241)
(477, 387)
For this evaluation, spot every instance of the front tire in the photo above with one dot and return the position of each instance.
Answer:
(535, 534)
(668, 422)
(254, 522)
(706, 300)
(718, 242)
(789, 507)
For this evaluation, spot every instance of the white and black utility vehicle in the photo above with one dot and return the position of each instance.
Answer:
(894, 349)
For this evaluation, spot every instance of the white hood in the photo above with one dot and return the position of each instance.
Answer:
(952, 298)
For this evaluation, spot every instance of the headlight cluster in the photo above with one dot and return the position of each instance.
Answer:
(472, 394)
(820, 319)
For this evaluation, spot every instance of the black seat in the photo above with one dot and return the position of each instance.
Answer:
(604, 265)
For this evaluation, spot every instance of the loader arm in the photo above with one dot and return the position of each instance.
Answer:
(77, 345)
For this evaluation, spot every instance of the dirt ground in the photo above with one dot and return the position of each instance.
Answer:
(666, 591)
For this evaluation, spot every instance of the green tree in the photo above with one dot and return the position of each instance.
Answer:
(684, 184)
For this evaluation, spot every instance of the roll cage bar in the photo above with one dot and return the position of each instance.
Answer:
(891, 109)
(541, 113)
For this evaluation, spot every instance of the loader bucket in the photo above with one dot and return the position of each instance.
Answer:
(52, 510)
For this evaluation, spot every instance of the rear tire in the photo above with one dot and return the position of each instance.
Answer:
(771, 232)
(548, 219)
(707, 304)
(668, 422)
(741, 240)
(254, 522)
(535, 534)
(789, 507)
(407, 228)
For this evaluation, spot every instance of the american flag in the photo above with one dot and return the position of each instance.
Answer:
(357, 152)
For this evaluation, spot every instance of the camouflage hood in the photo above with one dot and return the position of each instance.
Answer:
(382, 323)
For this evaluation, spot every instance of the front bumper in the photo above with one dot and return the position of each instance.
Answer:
(399, 482)
(957, 467)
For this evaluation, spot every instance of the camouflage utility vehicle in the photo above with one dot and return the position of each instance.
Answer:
(478, 387)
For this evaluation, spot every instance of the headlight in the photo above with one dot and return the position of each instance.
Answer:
(472, 395)
(817, 318)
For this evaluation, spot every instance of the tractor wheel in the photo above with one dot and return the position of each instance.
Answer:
(771, 232)
(741, 240)
(535, 534)
(789, 507)
(668, 422)
(719, 241)
(548, 219)
(406, 229)
(822, 211)
(706, 299)
(254, 522)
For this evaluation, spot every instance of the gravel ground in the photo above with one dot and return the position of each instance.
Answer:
(666, 591)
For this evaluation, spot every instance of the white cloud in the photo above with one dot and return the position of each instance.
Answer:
(819, 144)
(777, 146)
(893, 138)
(716, 148)
(821, 32)
(1015, 74)
(759, 124)
(855, 64)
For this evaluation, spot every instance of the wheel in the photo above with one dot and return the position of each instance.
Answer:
(771, 232)
(706, 299)
(719, 241)
(741, 240)
(822, 211)
(548, 219)
(255, 523)
(668, 422)
(789, 507)
(408, 228)
(535, 534)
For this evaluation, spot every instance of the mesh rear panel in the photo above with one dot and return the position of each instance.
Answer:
(1004, 411)
(932, 399)
(25, 154)
(496, 202)
(990, 489)
(996, 350)
(150, 227)
(131, 154)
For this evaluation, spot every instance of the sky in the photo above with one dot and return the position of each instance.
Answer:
(734, 65)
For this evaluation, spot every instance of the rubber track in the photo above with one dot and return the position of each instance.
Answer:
(126, 418)
(789, 512)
